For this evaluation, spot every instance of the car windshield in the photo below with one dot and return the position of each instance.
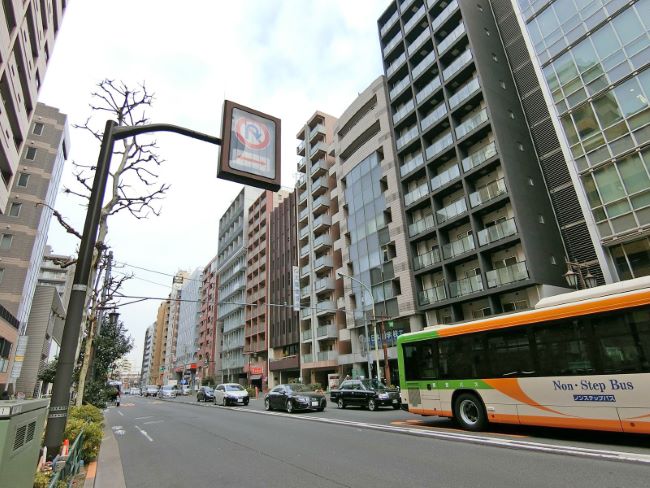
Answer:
(207, 389)
(168, 387)
(234, 388)
(373, 384)
(300, 388)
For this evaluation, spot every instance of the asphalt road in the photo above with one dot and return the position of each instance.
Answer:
(173, 444)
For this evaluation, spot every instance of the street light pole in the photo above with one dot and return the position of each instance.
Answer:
(365, 321)
(58, 411)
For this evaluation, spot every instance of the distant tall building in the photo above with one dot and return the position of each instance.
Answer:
(207, 333)
(188, 324)
(26, 222)
(231, 268)
(159, 344)
(147, 355)
(171, 327)
(28, 30)
(54, 272)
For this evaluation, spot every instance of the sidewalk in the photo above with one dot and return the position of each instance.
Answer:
(109, 471)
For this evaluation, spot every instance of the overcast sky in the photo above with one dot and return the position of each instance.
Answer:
(287, 58)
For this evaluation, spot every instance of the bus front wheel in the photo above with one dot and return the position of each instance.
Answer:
(470, 412)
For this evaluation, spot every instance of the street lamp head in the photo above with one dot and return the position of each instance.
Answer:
(571, 278)
(590, 280)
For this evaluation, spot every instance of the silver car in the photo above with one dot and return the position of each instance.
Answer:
(167, 391)
(230, 394)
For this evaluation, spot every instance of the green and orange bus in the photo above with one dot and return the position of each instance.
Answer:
(578, 360)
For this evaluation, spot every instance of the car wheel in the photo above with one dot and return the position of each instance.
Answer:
(341, 403)
(320, 409)
(470, 412)
(224, 403)
(396, 406)
(198, 399)
(267, 404)
(245, 402)
(372, 405)
(289, 406)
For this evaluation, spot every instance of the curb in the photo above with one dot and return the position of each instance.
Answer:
(91, 473)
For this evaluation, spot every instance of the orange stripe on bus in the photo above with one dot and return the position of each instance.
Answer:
(511, 388)
(572, 423)
(639, 417)
(428, 411)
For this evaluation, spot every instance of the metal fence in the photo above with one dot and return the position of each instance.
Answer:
(72, 464)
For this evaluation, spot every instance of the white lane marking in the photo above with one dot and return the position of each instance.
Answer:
(475, 439)
(152, 422)
(142, 418)
(144, 433)
(121, 414)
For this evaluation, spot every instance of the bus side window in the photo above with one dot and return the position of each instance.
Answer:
(619, 342)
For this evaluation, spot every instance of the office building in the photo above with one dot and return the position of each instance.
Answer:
(188, 323)
(159, 344)
(207, 333)
(171, 326)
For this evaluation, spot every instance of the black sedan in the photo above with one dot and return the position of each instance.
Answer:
(294, 397)
(205, 394)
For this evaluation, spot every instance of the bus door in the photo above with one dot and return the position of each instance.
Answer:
(421, 370)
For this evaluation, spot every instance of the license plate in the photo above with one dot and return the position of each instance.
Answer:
(314, 403)
(240, 400)
(394, 401)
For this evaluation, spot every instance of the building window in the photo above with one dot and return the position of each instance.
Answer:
(31, 153)
(38, 128)
(14, 210)
(23, 178)
(5, 350)
(5, 241)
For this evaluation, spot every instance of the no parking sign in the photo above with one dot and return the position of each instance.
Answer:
(250, 151)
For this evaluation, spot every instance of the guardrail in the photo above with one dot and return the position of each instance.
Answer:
(72, 464)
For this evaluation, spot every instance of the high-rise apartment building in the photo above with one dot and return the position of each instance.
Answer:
(147, 355)
(482, 230)
(373, 239)
(592, 59)
(27, 32)
(171, 326)
(284, 322)
(318, 258)
(29, 211)
(231, 268)
(189, 312)
(159, 344)
(55, 272)
(207, 333)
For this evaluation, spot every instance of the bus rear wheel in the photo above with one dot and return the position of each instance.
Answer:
(470, 412)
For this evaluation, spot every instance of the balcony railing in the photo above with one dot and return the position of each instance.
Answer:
(307, 335)
(328, 331)
(395, 65)
(305, 313)
(419, 192)
(318, 166)
(432, 295)
(472, 123)
(497, 232)
(389, 23)
(466, 286)
(429, 88)
(421, 225)
(320, 128)
(325, 307)
(304, 250)
(399, 86)
(458, 247)
(318, 147)
(424, 64)
(301, 147)
(458, 63)
(487, 192)
(304, 270)
(304, 232)
(414, 163)
(405, 109)
(414, 20)
(305, 291)
(392, 43)
(427, 259)
(480, 156)
(405, 4)
(438, 113)
(465, 91)
(326, 283)
(323, 240)
(301, 163)
(451, 38)
(444, 15)
(320, 201)
(439, 145)
(509, 274)
(407, 137)
(323, 261)
(418, 41)
(445, 177)
(303, 196)
(323, 220)
(328, 355)
(319, 185)
(302, 179)
(307, 358)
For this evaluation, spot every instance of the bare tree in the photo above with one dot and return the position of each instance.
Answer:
(133, 185)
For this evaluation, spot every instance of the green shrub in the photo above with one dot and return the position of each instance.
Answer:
(93, 434)
(315, 386)
(42, 479)
(87, 413)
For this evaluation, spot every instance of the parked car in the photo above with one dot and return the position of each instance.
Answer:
(184, 390)
(151, 390)
(167, 391)
(205, 394)
(294, 397)
(365, 393)
(134, 391)
(230, 394)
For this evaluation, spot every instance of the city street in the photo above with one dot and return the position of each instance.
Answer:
(175, 443)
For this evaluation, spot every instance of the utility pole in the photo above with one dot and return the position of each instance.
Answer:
(385, 347)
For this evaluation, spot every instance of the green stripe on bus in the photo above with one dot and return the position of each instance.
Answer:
(449, 384)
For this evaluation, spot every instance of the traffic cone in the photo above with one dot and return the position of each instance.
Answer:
(66, 447)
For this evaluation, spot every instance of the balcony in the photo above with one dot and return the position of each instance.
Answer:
(301, 148)
(488, 192)
(432, 295)
(451, 38)
(305, 291)
(325, 307)
(464, 92)
(322, 242)
(304, 233)
(404, 5)
(305, 313)
(327, 332)
(421, 225)
(319, 147)
(303, 196)
(427, 61)
(324, 284)
(445, 177)
(414, 163)
(319, 129)
(428, 89)
(304, 251)
(509, 274)
(304, 271)
(301, 181)
(395, 65)
(320, 204)
(304, 213)
(497, 232)
(466, 286)
(458, 247)
(418, 41)
(301, 164)
(403, 111)
(427, 259)
(479, 157)
(434, 116)
(414, 20)
(324, 262)
(392, 43)
(322, 222)
(389, 23)
(328, 356)
(307, 358)
(420, 191)
(319, 167)
(458, 63)
(472, 123)
(319, 186)
(444, 15)
(306, 335)
(407, 137)
(399, 87)
(439, 145)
